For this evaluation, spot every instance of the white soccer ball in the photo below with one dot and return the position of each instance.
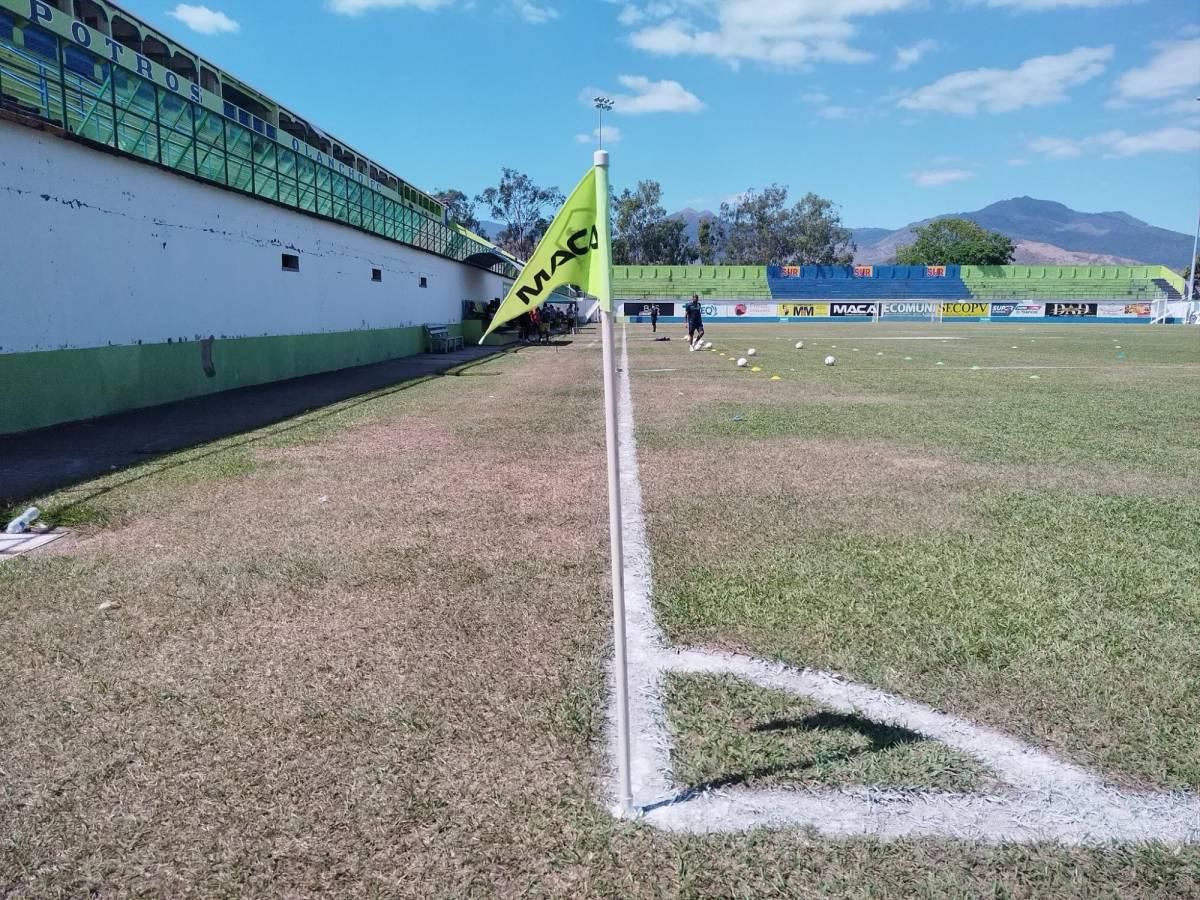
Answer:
(708, 345)
(799, 345)
(751, 352)
(742, 363)
(829, 360)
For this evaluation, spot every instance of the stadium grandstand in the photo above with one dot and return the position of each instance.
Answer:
(107, 77)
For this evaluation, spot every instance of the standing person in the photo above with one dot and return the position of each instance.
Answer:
(654, 319)
(695, 323)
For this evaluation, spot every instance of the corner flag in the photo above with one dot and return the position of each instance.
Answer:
(575, 250)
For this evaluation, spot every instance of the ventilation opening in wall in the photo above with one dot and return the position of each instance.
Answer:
(291, 263)
(377, 274)
(423, 282)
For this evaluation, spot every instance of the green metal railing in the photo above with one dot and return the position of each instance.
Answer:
(119, 109)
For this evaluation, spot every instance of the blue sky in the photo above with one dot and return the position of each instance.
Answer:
(894, 109)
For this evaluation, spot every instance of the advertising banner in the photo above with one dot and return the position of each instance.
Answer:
(965, 310)
(1071, 309)
(791, 271)
(1003, 310)
(935, 271)
(853, 309)
(864, 271)
(754, 310)
(801, 310)
(908, 308)
(643, 309)
(1124, 310)
(1029, 311)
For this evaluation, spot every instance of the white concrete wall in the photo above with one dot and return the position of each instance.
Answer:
(98, 250)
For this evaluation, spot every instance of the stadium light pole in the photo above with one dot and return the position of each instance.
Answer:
(1191, 288)
(603, 104)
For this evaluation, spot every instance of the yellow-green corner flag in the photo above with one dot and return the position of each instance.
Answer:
(575, 250)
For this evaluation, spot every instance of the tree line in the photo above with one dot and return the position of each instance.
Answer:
(758, 227)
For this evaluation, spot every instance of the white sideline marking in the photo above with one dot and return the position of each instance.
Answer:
(1045, 799)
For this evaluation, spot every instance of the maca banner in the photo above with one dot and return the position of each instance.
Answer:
(1071, 309)
(864, 271)
(965, 310)
(852, 309)
(801, 310)
(643, 309)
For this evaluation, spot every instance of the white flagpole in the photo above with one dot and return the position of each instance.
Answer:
(616, 548)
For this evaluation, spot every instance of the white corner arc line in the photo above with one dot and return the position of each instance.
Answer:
(1044, 798)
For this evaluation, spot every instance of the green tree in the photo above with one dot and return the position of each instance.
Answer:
(460, 207)
(523, 207)
(956, 242)
(709, 238)
(761, 229)
(642, 233)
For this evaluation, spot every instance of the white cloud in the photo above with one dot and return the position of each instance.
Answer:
(1115, 144)
(648, 96)
(1036, 82)
(835, 112)
(534, 14)
(907, 56)
(939, 177)
(204, 20)
(783, 33)
(1019, 161)
(612, 135)
(1043, 5)
(1175, 69)
(815, 97)
(358, 7)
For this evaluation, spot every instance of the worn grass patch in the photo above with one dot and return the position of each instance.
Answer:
(730, 732)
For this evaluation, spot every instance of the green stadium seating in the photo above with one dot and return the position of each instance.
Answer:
(680, 282)
(1038, 283)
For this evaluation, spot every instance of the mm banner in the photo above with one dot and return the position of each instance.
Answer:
(643, 309)
(754, 310)
(801, 310)
(965, 310)
(935, 271)
(1123, 310)
(907, 309)
(853, 309)
(1071, 309)
(1003, 310)
(864, 271)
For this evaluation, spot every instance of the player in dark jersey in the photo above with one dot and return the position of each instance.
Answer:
(695, 323)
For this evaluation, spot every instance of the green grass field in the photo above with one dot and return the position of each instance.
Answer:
(360, 653)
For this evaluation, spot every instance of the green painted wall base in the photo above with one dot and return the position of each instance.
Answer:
(53, 386)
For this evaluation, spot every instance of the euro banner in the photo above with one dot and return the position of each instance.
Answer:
(575, 250)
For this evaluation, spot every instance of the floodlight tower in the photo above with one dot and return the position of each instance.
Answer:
(1191, 285)
(603, 104)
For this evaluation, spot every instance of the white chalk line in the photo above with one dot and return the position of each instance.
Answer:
(1044, 799)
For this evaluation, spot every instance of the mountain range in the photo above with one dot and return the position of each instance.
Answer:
(1045, 232)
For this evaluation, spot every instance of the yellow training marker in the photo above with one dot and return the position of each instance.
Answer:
(776, 378)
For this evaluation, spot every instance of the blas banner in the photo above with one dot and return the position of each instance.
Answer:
(573, 251)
